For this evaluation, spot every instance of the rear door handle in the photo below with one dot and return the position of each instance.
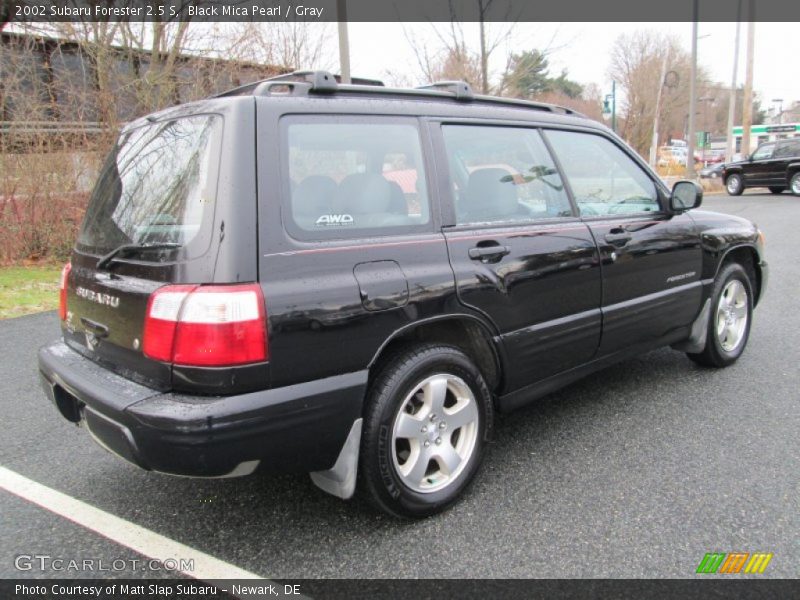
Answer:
(618, 239)
(488, 253)
(98, 329)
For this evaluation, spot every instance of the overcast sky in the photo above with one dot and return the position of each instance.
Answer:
(584, 49)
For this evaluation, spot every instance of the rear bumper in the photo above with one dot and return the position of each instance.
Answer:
(299, 427)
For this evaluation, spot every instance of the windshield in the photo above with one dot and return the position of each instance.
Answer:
(155, 187)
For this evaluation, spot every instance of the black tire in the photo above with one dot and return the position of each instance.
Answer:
(714, 354)
(734, 184)
(777, 189)
(388, 394)
(794, 184)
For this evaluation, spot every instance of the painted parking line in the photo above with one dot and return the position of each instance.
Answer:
(125, 533)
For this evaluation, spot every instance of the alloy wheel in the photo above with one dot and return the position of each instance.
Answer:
(435, 433)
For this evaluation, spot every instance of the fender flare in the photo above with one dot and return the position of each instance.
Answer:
(495, 344)
(756, 266)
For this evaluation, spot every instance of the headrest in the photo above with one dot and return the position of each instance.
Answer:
(363, 193)
(490, 195)
(313, 196)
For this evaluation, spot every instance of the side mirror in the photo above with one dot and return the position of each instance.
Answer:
(685, 196)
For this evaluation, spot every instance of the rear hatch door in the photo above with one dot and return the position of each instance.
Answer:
(149, 223)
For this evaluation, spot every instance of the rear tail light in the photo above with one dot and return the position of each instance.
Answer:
(62, 292)
(206, 326)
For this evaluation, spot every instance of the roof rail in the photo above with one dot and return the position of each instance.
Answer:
(303, 83)
(554, 108)
(461, 89)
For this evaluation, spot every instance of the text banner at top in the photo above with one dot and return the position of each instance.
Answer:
(398, 10)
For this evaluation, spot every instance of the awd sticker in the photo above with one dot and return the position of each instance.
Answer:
(326, 220)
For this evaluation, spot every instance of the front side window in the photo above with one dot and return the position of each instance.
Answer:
(366, 177)
(763, 152)
(787, 149)
(503, 174)
(604, 180)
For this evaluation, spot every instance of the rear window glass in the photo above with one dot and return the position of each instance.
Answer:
(155, 187)
(365, 177)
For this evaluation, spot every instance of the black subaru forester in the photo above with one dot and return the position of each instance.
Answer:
(349, 280)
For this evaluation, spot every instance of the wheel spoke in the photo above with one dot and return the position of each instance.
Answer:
(408, 427)
(731, 336)
(447, 457)
(720, 324)
(416, 465)
(463, 413)
(726, 297)
(735, 291)
(740, 312)
(435, 393)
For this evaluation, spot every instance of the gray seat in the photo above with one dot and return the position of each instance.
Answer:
(312, 199)
(490, 195)
(367, 197)
(397, 200)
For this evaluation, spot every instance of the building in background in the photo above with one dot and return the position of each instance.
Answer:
(764, 133)
(50, 80)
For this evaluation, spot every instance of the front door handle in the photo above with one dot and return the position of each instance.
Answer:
(488, 253)
(618, 239)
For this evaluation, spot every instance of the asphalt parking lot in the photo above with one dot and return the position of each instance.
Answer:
(637, 471)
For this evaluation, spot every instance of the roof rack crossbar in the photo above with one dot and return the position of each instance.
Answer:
(321, 81)
(316, 81)
(281, 88)
(460, 89)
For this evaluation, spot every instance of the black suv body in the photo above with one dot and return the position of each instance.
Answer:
(348, 280)
(774, 165)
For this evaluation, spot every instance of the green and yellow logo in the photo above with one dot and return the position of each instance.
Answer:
(734, 562)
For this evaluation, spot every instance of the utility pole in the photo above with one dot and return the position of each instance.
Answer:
(690, 174)
(654, 143)
(729, 146)
(747, 103)
(484, 57)
(344, 41)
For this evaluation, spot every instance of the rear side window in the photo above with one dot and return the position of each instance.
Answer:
(157, 186)
(763, 152)
(503, 174)
(604, 180)
(349, 178)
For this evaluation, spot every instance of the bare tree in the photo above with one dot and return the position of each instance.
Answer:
(636, 63)
(290, 45)
(453, 57)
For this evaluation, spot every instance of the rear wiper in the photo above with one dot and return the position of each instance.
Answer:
(104, 261)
